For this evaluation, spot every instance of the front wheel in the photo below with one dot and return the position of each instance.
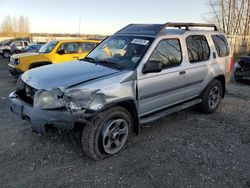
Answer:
(211, 97)
(6, 54)
(107, 133)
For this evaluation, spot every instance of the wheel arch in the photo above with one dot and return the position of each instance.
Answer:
(128, 104)
(39, 64)
(222, 80)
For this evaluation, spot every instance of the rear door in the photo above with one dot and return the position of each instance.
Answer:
(159, 90)
(199, 57)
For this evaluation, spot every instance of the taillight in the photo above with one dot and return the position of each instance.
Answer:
(231, 64)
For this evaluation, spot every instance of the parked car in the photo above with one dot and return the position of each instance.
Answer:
(138, 75)
(5, 49)
(50, 53)
(33, 47)
(242, 69)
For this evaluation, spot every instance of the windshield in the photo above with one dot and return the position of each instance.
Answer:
(124, 51)
(48, 47)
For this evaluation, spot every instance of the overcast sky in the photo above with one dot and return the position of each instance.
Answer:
(101, 16)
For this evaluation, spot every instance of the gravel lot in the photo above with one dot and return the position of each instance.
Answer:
(186, 149)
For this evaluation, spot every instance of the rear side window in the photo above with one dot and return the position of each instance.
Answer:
(221, 45)
(168, 52)
(198, 49)
(87, 46)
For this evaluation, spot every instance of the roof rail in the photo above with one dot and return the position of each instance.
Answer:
(156, 29)
(188, 25)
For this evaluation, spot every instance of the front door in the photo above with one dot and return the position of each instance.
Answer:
(159, 90)
(67, 52)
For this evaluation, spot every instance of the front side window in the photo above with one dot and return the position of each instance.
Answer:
(168, 52)
(123, 51)
(69, 47)
(198, 49)
(48, 47)
(18, 44)
(221, 45)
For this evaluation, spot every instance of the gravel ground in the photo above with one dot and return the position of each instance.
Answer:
(186, 149)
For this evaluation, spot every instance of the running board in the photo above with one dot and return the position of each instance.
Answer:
(170, 110)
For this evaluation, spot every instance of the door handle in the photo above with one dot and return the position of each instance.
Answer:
(182, 72)
(76, 57)
(214, 55)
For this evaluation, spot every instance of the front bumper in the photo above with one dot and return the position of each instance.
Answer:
(61, 119)
(242, 75)
(16, 73)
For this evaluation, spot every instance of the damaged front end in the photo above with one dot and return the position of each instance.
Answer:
(62, 108)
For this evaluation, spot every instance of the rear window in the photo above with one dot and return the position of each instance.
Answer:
(221, 45)
(198, 49)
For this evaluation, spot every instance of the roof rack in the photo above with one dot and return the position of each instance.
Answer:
(188, 25)
(156, 29)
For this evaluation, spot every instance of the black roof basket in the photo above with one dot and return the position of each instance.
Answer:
(155, 29)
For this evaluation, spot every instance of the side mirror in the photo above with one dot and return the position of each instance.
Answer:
(61, 52)
(152, 66)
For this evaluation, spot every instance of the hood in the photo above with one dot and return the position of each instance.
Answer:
(65, 74)
(17, 56)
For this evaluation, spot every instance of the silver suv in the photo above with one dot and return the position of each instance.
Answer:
(138, 75)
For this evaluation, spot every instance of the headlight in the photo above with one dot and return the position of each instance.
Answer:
(79, 98)
(237, 65)
(14, 61)
(49, 99)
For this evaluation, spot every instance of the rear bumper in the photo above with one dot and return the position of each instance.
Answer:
(16, 73)
(61, 119)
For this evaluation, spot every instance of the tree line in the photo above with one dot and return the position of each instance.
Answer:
(15, 27)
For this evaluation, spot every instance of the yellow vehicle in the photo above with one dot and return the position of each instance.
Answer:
(52, 52)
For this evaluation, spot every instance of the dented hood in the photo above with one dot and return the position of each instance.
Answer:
(65, 74)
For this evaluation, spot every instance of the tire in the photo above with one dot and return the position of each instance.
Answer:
(106, 133)
(6, 54)
(211, 97)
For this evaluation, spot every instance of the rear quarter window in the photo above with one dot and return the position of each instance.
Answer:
(221, 45)
(198, 48)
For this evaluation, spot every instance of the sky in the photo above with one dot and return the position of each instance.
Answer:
(101, 16)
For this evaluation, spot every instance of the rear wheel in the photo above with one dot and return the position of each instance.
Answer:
(107, 133)
(211, 97)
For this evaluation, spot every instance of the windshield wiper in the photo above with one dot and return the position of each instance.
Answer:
(110, 64)
(102, 62)
(89, 59)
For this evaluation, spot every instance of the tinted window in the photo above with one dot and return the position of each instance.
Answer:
(221, 45)
(70, 48)
(198, 49)
(168, 52)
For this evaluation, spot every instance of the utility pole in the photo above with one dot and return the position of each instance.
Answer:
(79, 32)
